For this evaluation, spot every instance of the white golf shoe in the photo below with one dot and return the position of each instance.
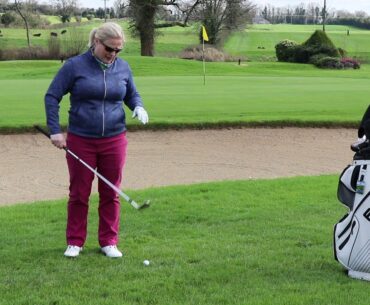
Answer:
(72, 251)
(111, 251)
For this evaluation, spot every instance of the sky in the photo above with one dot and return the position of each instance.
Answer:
(349, 5)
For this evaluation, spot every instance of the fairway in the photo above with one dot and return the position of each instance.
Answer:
(234, 95)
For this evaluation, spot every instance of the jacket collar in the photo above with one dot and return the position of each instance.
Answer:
(90, 54)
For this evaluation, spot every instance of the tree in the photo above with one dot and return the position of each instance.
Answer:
(17, 6)
(65, 8)
(100, 13)
(238, 14)
(120, 7)
(324, 15)
(143, 13)
(3, 5)
(220, 17)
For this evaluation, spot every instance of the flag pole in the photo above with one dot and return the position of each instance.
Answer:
(204, 65)
(204, 38)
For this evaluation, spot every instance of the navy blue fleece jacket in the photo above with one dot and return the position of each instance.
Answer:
(96, 96)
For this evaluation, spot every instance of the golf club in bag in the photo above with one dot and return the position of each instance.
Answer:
(111, 185)
(352, 232)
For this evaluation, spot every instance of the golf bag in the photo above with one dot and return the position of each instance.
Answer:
(352, 232)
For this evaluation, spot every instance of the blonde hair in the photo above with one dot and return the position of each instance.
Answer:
(106, 31)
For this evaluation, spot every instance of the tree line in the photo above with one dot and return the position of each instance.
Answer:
(312, 13)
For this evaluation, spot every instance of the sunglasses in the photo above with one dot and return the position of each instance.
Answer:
(109, 49)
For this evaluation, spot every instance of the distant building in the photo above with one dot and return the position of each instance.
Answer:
(260, 20)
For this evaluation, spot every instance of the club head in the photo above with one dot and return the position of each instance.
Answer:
(145, 205)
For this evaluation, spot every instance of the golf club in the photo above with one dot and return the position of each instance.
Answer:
(146, 203)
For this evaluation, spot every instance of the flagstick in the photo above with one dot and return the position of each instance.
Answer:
(204, 67)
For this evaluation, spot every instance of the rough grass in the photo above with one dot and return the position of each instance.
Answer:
(248, 242)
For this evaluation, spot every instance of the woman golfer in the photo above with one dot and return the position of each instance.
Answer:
(98, 82)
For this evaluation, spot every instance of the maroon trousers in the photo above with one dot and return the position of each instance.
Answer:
(108, 156)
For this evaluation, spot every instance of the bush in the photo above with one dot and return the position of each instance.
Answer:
(319, 38)
(25, 53)
(329, 63)
(316, 58)
(74, 43)
(285, 50)
(54, 47)
(350, 63)
(210, 54)
(342, 52)
(7, 19)
(318, 43)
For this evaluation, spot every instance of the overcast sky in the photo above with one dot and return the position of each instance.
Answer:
(349, 5)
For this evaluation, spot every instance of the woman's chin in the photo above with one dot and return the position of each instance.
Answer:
(108, 60)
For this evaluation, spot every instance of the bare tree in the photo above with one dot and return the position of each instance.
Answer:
(119, 7)
(360, 14)
(17, 6)
(220, 17)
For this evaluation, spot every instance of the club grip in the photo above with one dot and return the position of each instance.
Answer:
(44, 132)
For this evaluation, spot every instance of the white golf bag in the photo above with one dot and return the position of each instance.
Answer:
(352, 232)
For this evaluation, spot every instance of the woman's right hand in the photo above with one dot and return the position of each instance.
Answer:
(58, 140)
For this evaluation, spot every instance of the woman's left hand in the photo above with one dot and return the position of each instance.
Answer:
(141, 114)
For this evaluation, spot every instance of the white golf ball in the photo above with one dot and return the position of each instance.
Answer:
(146, 262)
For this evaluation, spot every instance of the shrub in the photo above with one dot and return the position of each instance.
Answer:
(350, 63)
(74, 43)
(342, 52)
(210, 54)
(25, 53)
(329, 63)
(285, 50)
(319, 38)
(315, 58)
(7, 19)
(54, 47)
(318, 43)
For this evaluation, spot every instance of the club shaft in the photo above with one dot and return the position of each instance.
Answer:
(116, 189)
(110, 184)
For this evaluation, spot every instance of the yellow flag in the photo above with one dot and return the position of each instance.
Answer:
(204, 34)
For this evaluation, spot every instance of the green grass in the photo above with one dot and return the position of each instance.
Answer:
(174, 93)
(247, 242)
(171, 41)
(247, 43)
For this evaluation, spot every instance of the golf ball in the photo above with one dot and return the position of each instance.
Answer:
(146, 262)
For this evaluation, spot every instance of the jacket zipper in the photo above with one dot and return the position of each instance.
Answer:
(103, 106)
